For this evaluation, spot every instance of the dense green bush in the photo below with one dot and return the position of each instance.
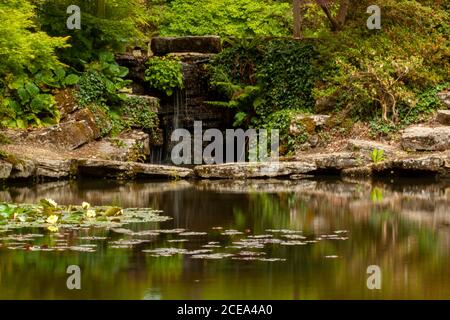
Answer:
(387, 74)
(264, 76)
(105, 26)
(165, 74)
(29, 68)
(102, 81)
(227, 18)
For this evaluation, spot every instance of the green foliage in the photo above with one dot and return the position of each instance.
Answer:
(377, 156)
(287, 76)
(29, 68)
(262, 76)
(386, 74)
(282, 120)
(238, 18)
(106, 26)
(139, 113)
(4, 139)
(102, 81)
(165, 74)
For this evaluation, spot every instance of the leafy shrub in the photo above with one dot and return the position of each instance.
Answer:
(137, 113)
(261, 77)
(386, 74)
(238, 18)
(165, 74)
(29, 68)
(102, 81)
(106, 26)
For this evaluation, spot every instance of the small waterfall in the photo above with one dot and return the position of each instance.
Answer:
(177, 106)
(156, 155)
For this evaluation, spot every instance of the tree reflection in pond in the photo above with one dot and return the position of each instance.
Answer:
(328, 232)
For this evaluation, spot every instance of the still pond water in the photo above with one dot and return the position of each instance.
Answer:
(308, 239)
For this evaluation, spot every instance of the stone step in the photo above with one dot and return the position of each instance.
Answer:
(203, 44)
(119, 169)
(249, 170)
(443, 117)
(366, 147)
(421, 138)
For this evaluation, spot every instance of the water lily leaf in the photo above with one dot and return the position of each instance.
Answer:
(113, 211)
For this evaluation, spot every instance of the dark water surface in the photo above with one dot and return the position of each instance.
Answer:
(307, 239)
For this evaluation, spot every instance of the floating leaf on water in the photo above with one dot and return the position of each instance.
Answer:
(248, 244)
(81, 249)
(271, 259)
(293, 236)
(171, 231)
(200, 251)
(188, 234)
(293, 243)
(284, 231)
(212, 256)
(131, 242)
(145, 233)
(122, 230)
(245, 258)
(231, 233)
(166, 251)
(113, 211)
(251, 253)
(93, 238)
(262, 236)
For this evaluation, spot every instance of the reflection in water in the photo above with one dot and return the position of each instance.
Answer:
(404, 228)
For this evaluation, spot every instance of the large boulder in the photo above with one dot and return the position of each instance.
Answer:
(436, 163)
(334, 161)
(419, 138)
(79, 129)
(23, 168)
(132, 145)
(204, 44)
(92, 120)
(247, 170)
(55, 168)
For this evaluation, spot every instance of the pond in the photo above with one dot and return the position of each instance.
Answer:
(272, 239)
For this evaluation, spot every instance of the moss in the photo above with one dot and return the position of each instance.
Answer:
(10, 158)
(4, 139)
(308, 125)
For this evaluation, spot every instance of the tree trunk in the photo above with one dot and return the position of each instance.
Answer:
(336, 22)
(298, 18)
(101, 8)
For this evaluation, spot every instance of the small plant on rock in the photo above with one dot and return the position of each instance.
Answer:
(377, 156)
